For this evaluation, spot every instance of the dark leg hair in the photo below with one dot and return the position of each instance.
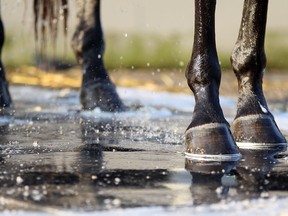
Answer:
(208, 132)
(253, 123)
(88, 43)
(5, 98)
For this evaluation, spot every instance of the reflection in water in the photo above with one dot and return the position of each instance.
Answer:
(83, 177)
(105, 165)
(207, 186)
(255, 170)
(117, 187)
(249, 178)
(3, 131)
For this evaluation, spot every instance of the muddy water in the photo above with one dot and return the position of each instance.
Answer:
(55, 158)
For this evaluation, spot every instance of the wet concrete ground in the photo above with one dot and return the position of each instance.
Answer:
(55, 159)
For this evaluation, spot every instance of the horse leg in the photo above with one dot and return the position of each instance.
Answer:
(253, 123)
(208, 135)
(5, 98)
(97, 89)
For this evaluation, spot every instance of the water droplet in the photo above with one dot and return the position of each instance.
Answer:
(35, 144)
(93, 177)
(117, 180)
(36, 195)
(116, 202)
(37, 109)
(19, 180)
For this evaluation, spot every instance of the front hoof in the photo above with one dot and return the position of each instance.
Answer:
(211, 142)
(257, 132)
(102, 95)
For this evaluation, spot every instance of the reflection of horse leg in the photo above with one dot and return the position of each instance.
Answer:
(88, 43)
(208, 134)
(5, 99)
(254, 123)
(205, 188)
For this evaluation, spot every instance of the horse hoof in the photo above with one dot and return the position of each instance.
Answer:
(6, 104)
(257, 132)
(102, 95)
(211, 142)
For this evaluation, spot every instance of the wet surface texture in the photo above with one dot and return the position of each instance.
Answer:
(55, 158)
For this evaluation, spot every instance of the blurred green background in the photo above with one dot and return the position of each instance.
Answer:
(145, 34)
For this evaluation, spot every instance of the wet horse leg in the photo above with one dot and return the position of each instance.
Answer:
(254, 123)
(5, 98)
(208, 135)
(97, 89)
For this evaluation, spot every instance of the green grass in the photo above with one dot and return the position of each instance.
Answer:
(276, 48)
(15, 52)
(134, 51)
(21, 50)
(149, 51)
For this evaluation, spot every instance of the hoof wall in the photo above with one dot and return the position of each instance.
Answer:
(6, 104)
(220, 158)
(257, 132)
(211, 142)
(262, 146)
(102, 95)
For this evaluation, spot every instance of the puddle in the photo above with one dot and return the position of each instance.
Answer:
(56, 160)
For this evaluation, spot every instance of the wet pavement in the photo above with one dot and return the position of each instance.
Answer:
(57, 160)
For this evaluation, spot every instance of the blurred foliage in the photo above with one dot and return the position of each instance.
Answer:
(134, 51)
(276, 48)
(145, 51)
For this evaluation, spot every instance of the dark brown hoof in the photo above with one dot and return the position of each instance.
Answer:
(103, 96)
(211, 142)
(5, 98)
(257, 132)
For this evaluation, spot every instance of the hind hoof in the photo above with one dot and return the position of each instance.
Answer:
(103, 96)
(6, 104)
(257, 132)
(211, 142)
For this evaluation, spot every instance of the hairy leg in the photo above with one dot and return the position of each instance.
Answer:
(97, 90)
(5, 98)
(209, 132)
(253, 123)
